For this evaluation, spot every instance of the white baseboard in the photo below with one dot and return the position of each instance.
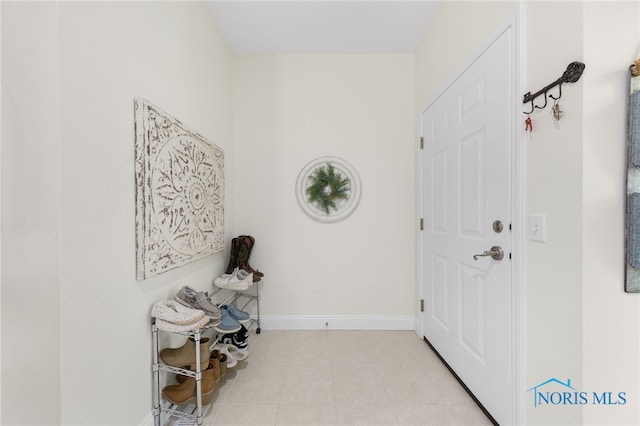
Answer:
(336, 322)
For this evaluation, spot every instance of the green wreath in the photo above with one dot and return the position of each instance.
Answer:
(327, 186)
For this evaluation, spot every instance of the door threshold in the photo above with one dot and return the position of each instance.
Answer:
(453, 373)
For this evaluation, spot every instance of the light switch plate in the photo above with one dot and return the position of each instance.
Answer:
(537, 229)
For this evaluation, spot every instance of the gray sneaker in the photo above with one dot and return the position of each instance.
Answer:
(198, 300)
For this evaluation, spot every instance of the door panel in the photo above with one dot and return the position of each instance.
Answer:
(467, 185)
(472, 312)
(472, 173)
(439, 296)
(439, 201)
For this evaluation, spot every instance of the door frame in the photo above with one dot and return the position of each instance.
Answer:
(515, 23)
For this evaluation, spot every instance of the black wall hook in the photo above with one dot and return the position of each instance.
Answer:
(570, 75)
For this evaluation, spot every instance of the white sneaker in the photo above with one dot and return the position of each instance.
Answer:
(245, 276)
(237, 280)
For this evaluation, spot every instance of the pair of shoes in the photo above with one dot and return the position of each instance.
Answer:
(239, 279)
(239, 258)
(185, 355)
(232, 353)
(198, 300)
(228, 324)
(174, 317)
(239, 339)
(219, 363)
(185, 390)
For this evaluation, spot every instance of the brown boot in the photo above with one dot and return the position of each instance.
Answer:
(215, 362)
(219, 362)
(185, 355)
(186, 391)
(223, 364)
(244, 252)
(233, 255)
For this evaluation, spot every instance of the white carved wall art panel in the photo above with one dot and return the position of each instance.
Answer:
(179, 193)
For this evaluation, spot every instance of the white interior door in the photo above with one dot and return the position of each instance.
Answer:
(467, 187)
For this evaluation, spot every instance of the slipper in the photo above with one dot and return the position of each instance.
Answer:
(231, 361)
(233, 354)
(174, 312)
(177, 328)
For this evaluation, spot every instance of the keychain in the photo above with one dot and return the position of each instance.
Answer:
(528, 124)
(555, 109)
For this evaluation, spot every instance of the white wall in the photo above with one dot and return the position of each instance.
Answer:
(611, 318)
(89, 61)
(289, 110)
(30, 216)
(554, 188)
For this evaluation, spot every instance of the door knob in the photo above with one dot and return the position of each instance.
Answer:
(495, 252)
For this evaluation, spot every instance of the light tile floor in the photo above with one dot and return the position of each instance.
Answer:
(341, 378)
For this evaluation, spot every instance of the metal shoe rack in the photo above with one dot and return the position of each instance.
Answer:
(167, 413)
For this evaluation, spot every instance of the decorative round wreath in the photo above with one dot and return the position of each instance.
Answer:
(327, 185)
(328, 189)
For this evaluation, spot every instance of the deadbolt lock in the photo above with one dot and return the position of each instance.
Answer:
(497, 226)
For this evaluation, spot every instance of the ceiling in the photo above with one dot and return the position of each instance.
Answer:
(266, 27)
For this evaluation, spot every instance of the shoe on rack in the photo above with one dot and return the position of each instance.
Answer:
(239, 339)
(241, 316)
(176, 328)
(238, 354)
(243, 262)
(237, 280)
(218, 372)
(232, 353)
(245, 276)
(185, 355)
(230, 362)
(214, 361)
(170, 311)
(223, 364)
(186, 391)
(233, 255)
(198, 300)
(228, 324)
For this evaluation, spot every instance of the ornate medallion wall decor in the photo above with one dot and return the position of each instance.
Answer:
(179, 193)
(328, 189)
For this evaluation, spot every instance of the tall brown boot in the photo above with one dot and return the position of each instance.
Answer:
(233, 256)
(185, 355)
(186, 391)
(244, 252)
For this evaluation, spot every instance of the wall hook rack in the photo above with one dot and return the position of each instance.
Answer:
(570, 75)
